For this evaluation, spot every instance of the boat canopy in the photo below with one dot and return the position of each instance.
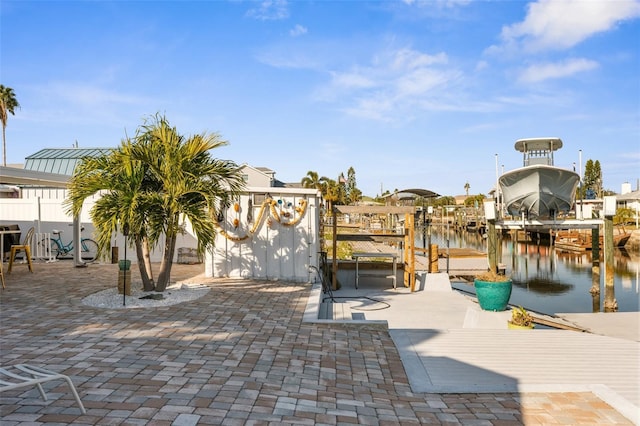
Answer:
(538, 150)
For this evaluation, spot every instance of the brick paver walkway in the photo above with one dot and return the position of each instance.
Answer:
(239, 355)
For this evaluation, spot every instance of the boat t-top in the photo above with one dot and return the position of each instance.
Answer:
(538, 189)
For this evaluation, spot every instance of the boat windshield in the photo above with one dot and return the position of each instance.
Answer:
(544, 157)
(538, 150)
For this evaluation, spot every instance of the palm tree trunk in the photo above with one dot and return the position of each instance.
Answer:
(167, 262)
(147, 259)
(4, 147)
(142, 251)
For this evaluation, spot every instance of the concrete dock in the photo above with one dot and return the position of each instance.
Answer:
(448, 344)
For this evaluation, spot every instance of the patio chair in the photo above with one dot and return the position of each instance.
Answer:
(25, 246)
(23, 375)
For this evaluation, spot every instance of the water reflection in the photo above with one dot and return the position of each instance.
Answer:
(543, 285)
(553, 281)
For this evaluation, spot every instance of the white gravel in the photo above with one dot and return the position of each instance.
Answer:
(178, 293)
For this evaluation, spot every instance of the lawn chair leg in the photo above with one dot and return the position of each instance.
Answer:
(75, 394)
(44, 375)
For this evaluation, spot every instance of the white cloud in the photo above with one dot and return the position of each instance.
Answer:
(395, 83)
(352, 80)
(298, 30)
(270, 10)
(540, 72)
(437, 3)
(482, 65)
(390, 69)
(420, 81)
(407, 59)
(558, 25)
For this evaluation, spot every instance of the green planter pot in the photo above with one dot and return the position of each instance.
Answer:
(493, 296)
(124, 265)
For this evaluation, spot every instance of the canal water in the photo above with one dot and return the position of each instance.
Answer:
(550, 281)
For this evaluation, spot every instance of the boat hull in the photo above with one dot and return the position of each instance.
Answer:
(539, 190)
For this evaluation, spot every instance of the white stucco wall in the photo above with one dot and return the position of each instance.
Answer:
(280, 244)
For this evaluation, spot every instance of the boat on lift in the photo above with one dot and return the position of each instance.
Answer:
(538, 189)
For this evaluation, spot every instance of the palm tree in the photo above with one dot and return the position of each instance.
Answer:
(8, 104)
(466, 188)
(158, 180)
(331, 191)
(312, 180)
(125, 188)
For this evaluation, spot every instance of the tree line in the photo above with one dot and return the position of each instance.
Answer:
(342, 191)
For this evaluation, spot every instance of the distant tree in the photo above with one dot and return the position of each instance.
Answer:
(623, 216)
(8, 104)
(353, 194)
(592, 181)
(342, 191)
(466, 188)
(597, 171)
(381, 198)
(474, 200)
(444, 201)
(330, 191)
(312, 180)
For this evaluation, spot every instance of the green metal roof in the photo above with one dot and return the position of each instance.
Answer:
(61, 160)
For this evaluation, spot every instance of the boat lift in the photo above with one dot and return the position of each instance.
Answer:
(495, 223)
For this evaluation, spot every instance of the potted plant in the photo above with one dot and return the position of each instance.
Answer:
(520, 319)
(493, 290)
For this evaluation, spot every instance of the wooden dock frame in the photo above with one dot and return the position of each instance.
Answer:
(593, 224)
(408, 237)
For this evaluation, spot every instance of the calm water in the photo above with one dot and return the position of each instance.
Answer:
(552, 281)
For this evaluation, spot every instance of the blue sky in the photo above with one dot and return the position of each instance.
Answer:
(410, 93)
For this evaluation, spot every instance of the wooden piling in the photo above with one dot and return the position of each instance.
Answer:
(433, 258)
(595, 261)
(610, 304)
(492, 243)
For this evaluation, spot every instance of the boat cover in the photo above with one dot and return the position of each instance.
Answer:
(539, 191)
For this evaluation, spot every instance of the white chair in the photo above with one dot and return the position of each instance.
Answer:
(29, 375)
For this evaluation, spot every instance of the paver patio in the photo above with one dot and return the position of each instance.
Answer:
(239, 355)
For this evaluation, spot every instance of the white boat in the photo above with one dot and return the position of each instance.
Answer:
(538, 188)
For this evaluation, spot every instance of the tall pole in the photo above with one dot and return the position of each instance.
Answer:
(125, 232)
(581, 188)
(497, 194)
(334, 260)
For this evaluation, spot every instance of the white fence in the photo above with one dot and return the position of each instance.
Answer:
(48, 215)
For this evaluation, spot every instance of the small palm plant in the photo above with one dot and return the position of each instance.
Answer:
(521, 318)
